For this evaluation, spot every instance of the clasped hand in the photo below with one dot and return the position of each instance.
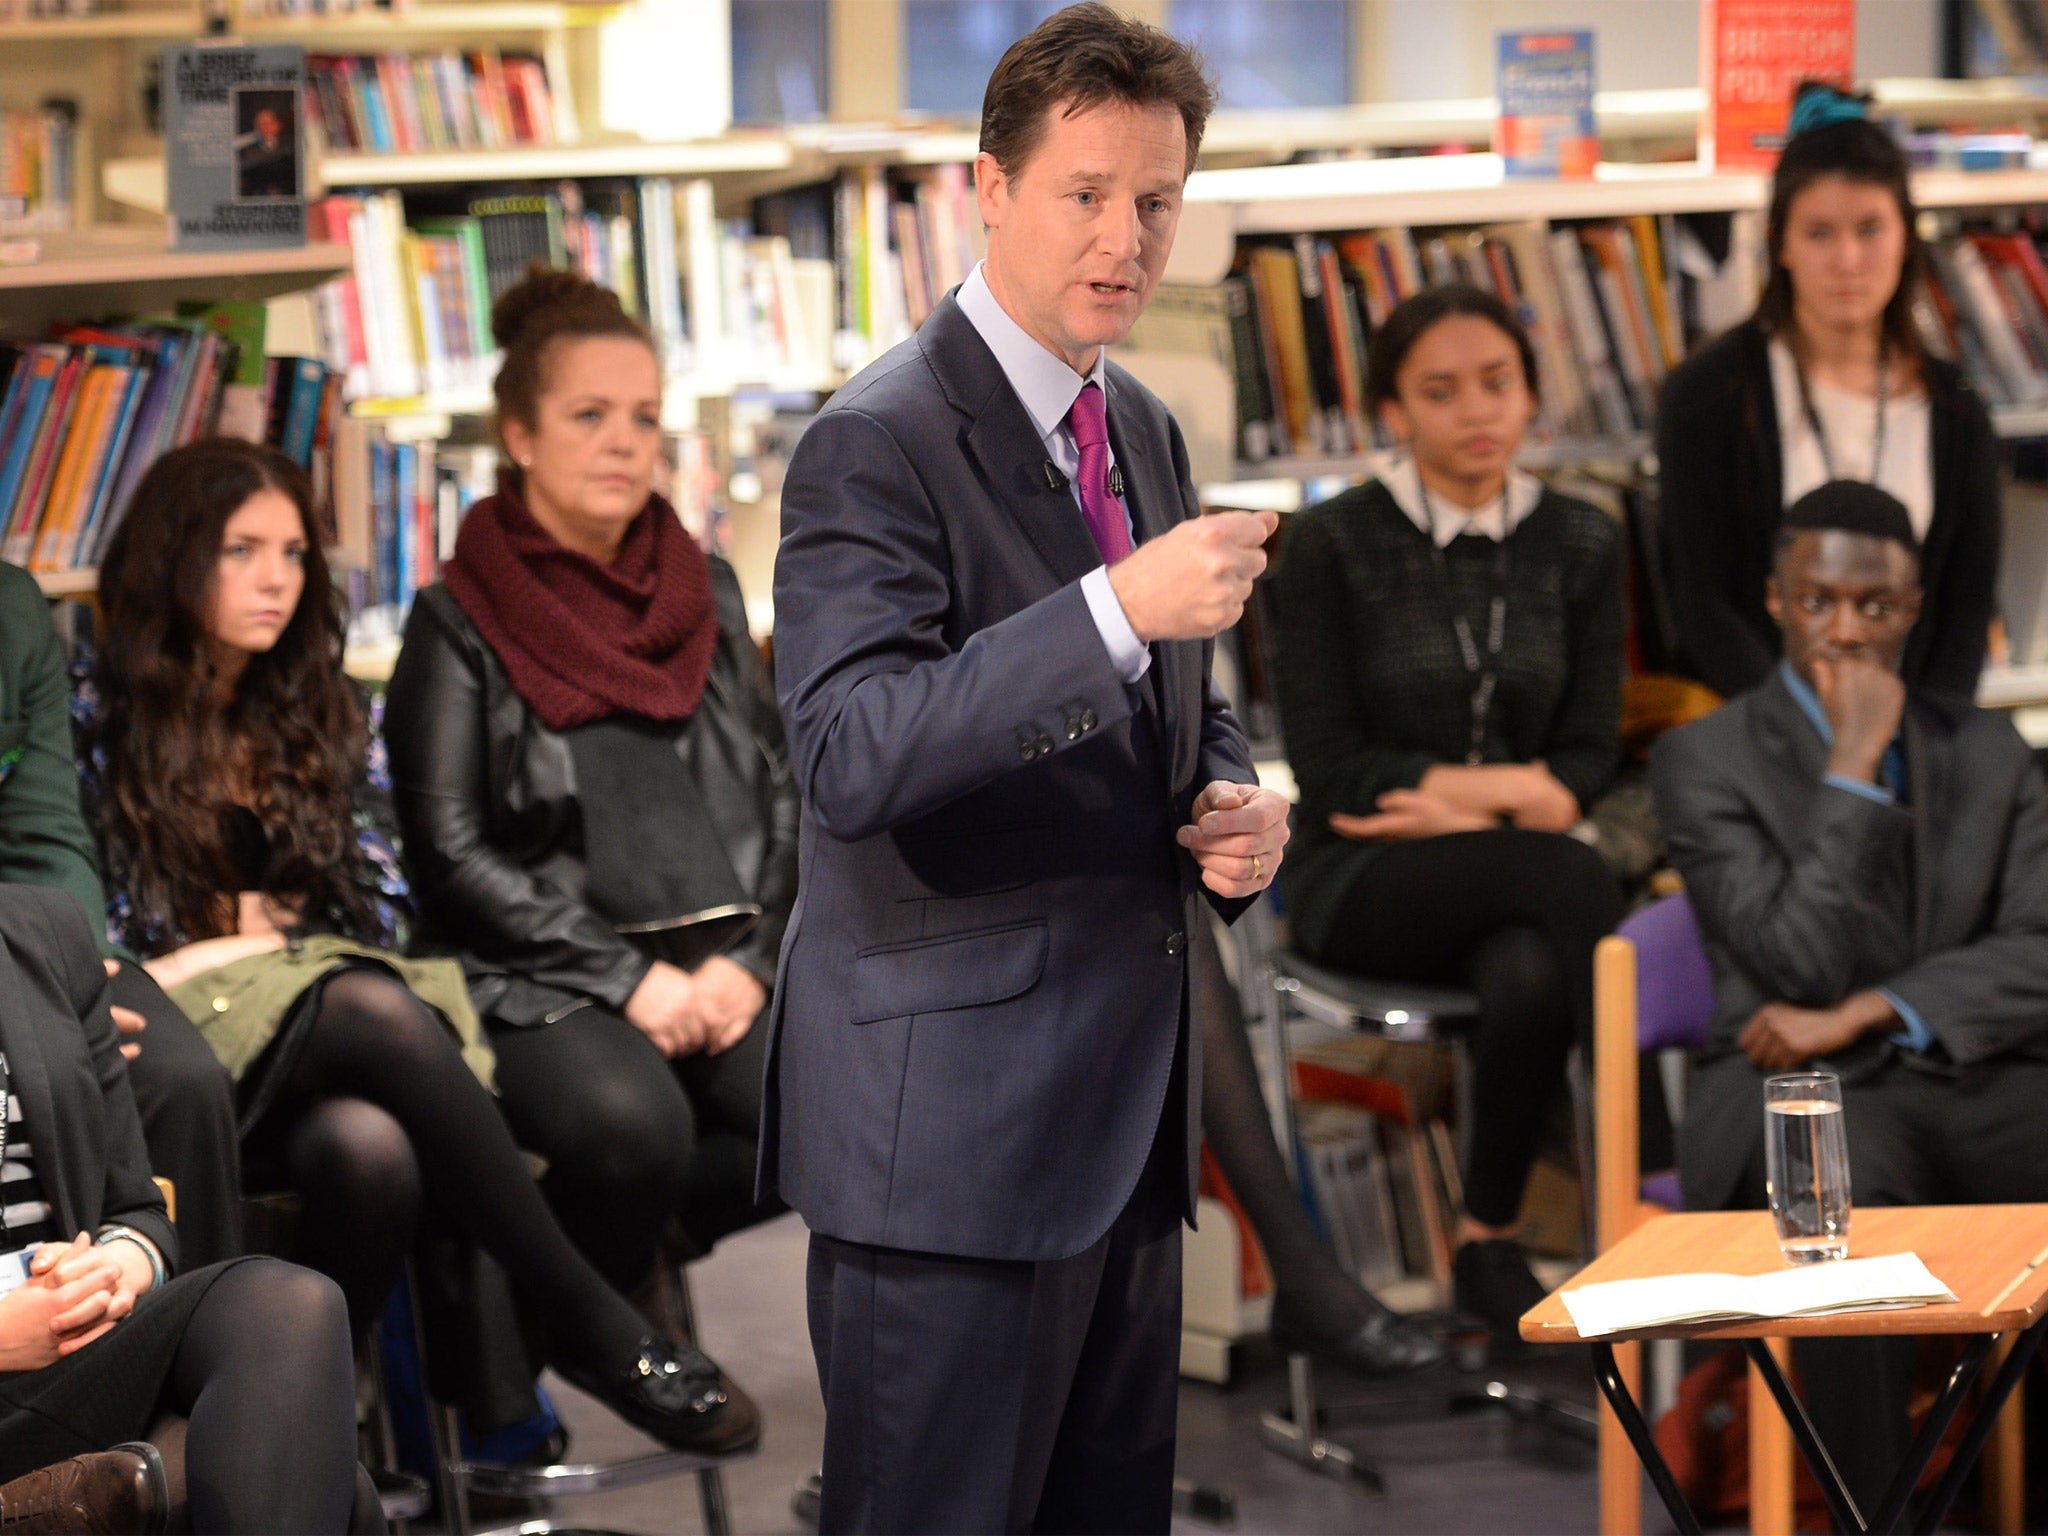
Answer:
(1782, 1036)
(709, 1009)
(1455, 798)
(74, 1293)
(1237, 833)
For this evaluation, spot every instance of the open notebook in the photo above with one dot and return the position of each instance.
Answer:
(1847, 1285)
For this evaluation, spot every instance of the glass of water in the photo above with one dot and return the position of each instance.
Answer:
(1806, 1165)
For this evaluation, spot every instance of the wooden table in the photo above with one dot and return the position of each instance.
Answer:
(1994, 1257)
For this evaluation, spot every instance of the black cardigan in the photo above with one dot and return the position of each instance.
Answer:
(1721, 482)
(1372, 685)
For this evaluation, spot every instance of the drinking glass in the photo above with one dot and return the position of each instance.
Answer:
(1806, 1165)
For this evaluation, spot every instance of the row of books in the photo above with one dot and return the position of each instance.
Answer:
(85, 413)
(412, 315)
(38, 170)
(1984, 303)
(397, 506)
(1294, 321)
(386, 102)
(898, 240)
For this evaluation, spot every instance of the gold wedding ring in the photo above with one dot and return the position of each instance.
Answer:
(1255, 866)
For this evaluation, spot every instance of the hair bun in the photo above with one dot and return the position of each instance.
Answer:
(541, 290)
(1817, 104)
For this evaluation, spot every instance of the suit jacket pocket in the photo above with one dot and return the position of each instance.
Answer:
(960, 970)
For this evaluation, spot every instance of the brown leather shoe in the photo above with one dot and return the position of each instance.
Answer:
(113, 1492)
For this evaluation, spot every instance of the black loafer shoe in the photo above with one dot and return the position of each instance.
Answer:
(1491, 1280)
(1387, 1344)
(678, 1395)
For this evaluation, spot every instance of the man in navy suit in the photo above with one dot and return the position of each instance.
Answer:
(995, 601)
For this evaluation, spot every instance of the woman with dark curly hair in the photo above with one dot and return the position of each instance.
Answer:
(232, 764)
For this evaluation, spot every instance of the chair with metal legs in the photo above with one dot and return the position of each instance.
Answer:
(1288, 986)
(459, 1478)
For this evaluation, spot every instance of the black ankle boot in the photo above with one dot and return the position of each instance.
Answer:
(1386, 1344)
(1491, 1279)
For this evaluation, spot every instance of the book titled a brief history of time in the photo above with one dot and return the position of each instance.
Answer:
(1545, 84)
(233, 137)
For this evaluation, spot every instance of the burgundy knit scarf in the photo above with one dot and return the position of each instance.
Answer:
(582, 640)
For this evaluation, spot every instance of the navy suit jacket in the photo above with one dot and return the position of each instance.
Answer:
(983, 983)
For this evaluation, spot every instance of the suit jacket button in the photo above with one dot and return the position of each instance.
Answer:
(1175, 943)
(1087, 719)
(1027, 749)
(1044, 745)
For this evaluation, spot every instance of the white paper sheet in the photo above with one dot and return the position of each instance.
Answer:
(1809, 1290)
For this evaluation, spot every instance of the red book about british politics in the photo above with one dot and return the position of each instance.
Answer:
(1753, 54)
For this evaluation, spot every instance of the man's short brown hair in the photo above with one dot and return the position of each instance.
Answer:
(1080, 58)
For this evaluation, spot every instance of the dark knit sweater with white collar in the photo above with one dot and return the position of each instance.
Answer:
(1373, 686)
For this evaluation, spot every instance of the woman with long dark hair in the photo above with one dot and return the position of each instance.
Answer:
(1449, 684)
(235, 778)
(1828, 380)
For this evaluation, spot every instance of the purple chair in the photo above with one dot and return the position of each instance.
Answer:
(1674, 1000)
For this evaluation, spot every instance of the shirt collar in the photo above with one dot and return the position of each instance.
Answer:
(1808, 702)
(1395, 469)
(1044, 382)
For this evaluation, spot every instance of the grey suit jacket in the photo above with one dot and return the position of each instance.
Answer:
(1806, 892)
(981, 988)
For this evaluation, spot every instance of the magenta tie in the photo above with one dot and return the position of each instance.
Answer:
(1089, 423)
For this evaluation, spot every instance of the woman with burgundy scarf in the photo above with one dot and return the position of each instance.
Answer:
(236, 784)
(597, 806)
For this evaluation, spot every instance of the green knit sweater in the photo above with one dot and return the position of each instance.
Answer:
(1372, 684)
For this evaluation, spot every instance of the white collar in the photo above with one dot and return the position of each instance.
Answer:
(1042, 380)
(1395, 469)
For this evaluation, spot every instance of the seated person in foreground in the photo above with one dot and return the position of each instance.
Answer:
(184, 1095)
(1869, 864)
(100, 1337)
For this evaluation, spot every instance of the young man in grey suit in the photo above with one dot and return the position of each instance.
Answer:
(1869, 865)
(1018, 782)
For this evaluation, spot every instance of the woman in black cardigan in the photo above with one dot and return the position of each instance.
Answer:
(1450, 689)
(100, 1339)
(1828, 375)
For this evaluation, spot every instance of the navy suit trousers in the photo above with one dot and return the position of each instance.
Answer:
(990, 1395)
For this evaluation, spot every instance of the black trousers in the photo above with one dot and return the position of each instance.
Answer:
(632, 1138)
(1920, 1133)
(970, 1395)
(1513, 915)
(187, 1103)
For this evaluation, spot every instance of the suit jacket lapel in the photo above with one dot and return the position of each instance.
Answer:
(31, 1080)
(1924, 791)
(1006, 443)
(1794, 758)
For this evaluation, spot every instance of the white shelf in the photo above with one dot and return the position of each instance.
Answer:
(380, 26)
(133, 269)
(2010, 421)
(2013, 687)
(82, 582)
(681, 394)
(1536, 456)
(154, 25)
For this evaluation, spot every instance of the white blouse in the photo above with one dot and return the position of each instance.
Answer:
(1850, 422)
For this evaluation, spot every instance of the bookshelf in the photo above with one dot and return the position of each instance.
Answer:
(126, 268)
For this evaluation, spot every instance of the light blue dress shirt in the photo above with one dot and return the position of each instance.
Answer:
(1047, 386)
(1916, 1034)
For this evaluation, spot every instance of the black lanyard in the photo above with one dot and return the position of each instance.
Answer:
(1820, 436)
(1484, 671)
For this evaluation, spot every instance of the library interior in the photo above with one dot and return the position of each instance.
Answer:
(1553, 349)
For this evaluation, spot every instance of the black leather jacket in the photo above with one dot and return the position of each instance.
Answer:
(493, 836)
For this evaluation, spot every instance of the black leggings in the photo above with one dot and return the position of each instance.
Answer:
(632, 1138)
(379, 1113)
(1513, 915)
